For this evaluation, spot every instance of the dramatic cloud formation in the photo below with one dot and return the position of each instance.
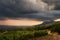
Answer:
(35, 9)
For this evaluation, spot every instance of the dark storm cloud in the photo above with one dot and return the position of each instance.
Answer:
(25, 9)
(55, 2)
(19, 8)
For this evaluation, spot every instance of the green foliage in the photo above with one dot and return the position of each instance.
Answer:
(56, 27)
(25, 34)
(43, 27)
(22, 35)
(40, 33)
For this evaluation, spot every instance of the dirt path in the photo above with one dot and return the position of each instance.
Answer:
(55, 36)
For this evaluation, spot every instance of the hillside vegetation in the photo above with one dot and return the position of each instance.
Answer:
(38, 32)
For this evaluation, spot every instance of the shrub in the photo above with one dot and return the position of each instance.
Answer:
(40, 33)
(22, 35)
(56, 27)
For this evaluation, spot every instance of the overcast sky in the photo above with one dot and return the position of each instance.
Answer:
(35, 9)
